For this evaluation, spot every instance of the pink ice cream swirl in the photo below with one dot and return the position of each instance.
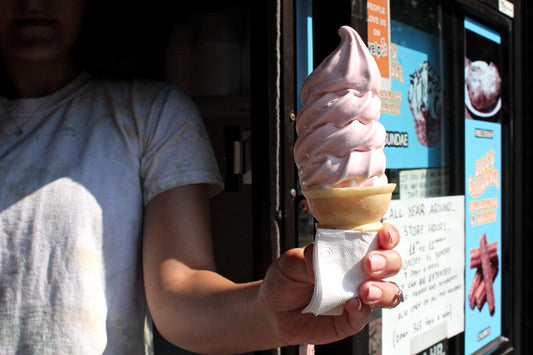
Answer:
(340, 141)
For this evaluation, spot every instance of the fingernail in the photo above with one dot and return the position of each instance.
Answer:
(377, 262)
(391, 239)
(374, 293)
(356, 304)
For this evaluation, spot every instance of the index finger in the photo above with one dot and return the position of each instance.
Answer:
(388, 237)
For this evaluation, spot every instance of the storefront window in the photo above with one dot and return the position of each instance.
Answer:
(445, 72)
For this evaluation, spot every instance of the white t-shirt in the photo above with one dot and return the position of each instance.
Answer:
(72, 192)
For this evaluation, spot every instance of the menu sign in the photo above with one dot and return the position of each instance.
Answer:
(483, 235)
(432, 275)
(483, 170)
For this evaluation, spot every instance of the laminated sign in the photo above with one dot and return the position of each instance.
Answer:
(483, 171)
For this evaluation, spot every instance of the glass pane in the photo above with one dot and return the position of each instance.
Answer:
(408, 42)
(413, 99)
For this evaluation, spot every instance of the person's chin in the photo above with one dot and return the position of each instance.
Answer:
(35, 52)
(35, 47)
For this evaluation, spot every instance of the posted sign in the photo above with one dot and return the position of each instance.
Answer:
(432, 275)
(483, 187)
(378, 21)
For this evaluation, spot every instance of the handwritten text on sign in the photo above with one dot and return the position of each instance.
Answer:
(432, 250)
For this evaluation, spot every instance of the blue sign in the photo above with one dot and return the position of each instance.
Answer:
(412, 107)
(483, 247)
(483, 171)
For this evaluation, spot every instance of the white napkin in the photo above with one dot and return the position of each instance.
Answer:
(338, 268)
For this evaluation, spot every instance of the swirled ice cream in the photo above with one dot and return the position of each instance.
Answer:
(340, 141)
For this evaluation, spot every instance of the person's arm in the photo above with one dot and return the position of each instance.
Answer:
(197, 309)
(191, 305)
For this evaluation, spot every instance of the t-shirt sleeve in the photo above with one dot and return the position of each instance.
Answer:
(176, 148)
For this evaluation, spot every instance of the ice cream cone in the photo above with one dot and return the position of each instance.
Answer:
(350, 207)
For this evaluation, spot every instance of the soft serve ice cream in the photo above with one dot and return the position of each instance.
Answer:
(339, 149)
(341, 167)
(340, 141)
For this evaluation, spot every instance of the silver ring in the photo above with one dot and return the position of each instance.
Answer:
(400, 296)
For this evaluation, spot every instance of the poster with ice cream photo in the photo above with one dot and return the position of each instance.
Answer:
(483, 186)
(412, 110)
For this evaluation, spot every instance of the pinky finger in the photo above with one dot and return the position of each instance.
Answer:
(380, 294)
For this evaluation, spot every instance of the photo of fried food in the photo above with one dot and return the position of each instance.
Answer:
(483, 87)
(485, 259)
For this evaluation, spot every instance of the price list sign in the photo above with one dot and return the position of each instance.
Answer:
(432, 275)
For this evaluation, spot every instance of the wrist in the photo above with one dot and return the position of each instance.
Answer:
(268, 333)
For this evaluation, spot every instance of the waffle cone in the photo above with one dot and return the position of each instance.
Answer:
(349, 207)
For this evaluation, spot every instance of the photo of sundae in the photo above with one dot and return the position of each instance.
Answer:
(424, 98)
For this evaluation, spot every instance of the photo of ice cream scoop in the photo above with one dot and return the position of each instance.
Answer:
(482, 88)
(424, 98)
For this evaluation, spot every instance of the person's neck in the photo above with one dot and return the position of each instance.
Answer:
(30, 80)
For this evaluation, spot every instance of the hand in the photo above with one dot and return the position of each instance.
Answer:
(380, 264)
(288, 288)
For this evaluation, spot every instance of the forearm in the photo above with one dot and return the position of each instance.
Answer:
(203, 312)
